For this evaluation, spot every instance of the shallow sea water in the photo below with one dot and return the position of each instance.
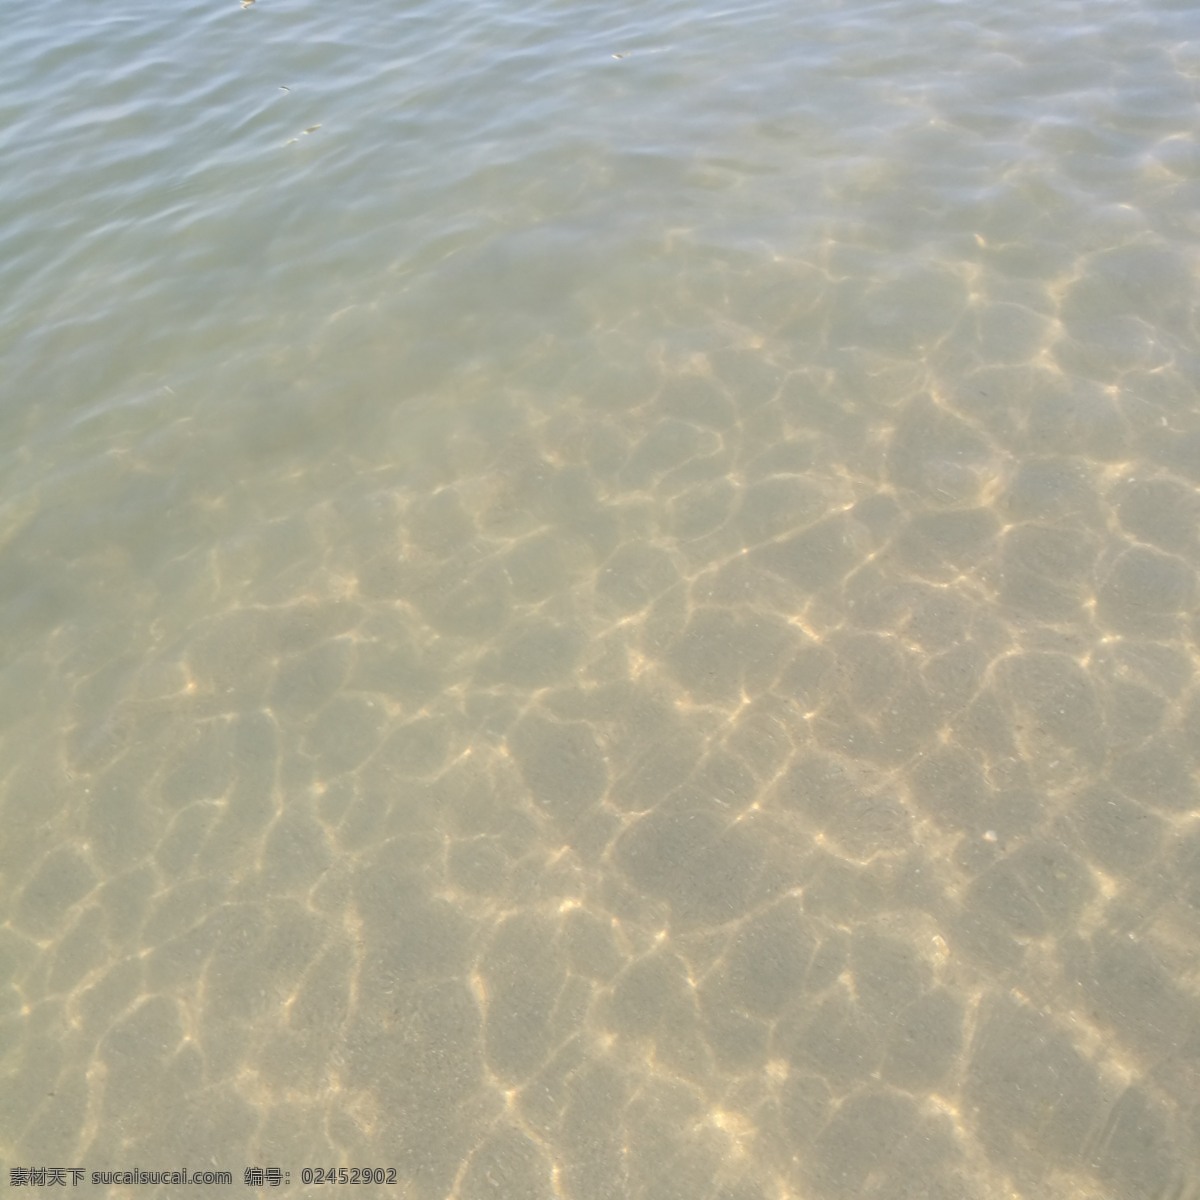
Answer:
(600, 600)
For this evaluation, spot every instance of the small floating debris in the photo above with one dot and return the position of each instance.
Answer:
(310, 129)
(247, 3)
(614, 56)
(282, 88)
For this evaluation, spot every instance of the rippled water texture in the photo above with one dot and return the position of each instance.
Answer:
(600, 600)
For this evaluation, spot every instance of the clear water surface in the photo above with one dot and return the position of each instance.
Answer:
(600, 600)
